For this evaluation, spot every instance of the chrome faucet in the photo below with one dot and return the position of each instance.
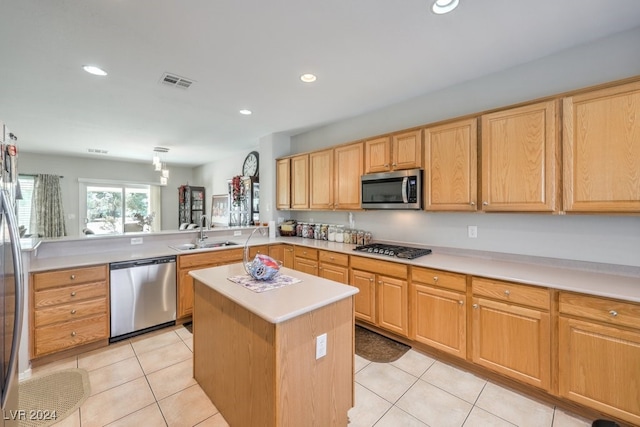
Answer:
(203, 225)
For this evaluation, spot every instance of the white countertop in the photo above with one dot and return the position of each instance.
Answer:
(559, 274)
(275, 305)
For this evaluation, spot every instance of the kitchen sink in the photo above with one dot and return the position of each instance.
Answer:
(207, 245)
(216, 244)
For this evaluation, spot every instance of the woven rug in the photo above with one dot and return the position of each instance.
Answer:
(48, 399)
(376, 348)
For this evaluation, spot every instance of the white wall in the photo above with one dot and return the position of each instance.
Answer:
(595, 238)
(73, 168)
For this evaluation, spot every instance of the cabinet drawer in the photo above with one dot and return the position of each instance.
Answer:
(50, 339)
(443, 279)
(70, 312)
(334, 258)
(373, 265)
(602, 309)
(210, 258)
(512, 293)
(308, 253)
(69, 294)
(52, 279)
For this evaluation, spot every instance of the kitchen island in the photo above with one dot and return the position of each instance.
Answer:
(255, 353)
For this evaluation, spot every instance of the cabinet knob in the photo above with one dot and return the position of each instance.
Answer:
(613, 313)
(386, 165)
(473, 203)
(507, 292)
(461, 302)
(475, 306)
(435, 278)
(379, 282)
(73, 334)
(485, 203)
(73, 311)
(394, 164)
(73, 294)
(73, 277)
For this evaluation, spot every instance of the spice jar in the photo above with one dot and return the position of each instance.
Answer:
(324, 231)
(340, 233)
(347, 235)
(332, 233)
(305, 230)
(367, 237)
(316, 231)
(299, 229)
(360, 235)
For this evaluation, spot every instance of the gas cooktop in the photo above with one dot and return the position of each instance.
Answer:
(406, 252)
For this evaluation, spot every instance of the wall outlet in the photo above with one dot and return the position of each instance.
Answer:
(321, 346)
(136, 240)
(472, 231)
(237, 233)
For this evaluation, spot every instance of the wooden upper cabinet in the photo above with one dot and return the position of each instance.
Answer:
(451, 153)
(300, 182)
(396, 152)
(377, 155)
(321, 179)
(349, 166)
(520, 159)
(283, 184)
(406, 150)
(601, 150)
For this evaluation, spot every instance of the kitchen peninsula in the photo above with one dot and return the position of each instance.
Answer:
(259, 356)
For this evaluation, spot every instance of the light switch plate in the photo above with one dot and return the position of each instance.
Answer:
(136, 240)
(237, 233)
(472, 231)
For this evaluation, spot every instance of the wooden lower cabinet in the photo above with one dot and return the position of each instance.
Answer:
(599, 354)
(69, 308)
(334, 266)
(306, 260)
(198, 261)
(438, 310)
(511, 332)
(383, 297)
(282, 253)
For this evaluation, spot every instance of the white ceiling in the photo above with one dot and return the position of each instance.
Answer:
(367, 54)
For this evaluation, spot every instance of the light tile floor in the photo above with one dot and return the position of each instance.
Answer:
(147, 381)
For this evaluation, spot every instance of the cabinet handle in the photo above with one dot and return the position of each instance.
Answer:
(371, 280)
(435, 278)
(507, 292)
(613, 313)
(73, 311)
(394, 164)
(379, 282)
(461, 302)
(73, 334)
(475, 306)
(485, 203)
(73, 277)
(386, 165)
(73, 294)
(473, 203)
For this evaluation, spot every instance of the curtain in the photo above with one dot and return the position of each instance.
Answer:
(47, 213)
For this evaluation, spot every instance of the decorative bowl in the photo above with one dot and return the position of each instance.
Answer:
(263, 267)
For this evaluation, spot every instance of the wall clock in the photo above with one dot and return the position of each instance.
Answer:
(250, 167)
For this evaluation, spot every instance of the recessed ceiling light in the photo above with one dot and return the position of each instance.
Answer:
(444, 6)
(308, 78)
(245, 112)
(96, 71)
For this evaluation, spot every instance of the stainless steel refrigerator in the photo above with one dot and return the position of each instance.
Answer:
(11, 284)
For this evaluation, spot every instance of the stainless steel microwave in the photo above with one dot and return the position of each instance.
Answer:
(392, 190)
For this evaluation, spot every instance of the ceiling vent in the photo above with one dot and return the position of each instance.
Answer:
(97, 151)
(176, 81)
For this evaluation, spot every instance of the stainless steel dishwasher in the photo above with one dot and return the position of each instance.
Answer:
(143, 296)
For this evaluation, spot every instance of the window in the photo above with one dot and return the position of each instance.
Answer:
(116, 208)
(23, 205)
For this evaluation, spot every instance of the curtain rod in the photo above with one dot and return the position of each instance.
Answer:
(35, 174)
